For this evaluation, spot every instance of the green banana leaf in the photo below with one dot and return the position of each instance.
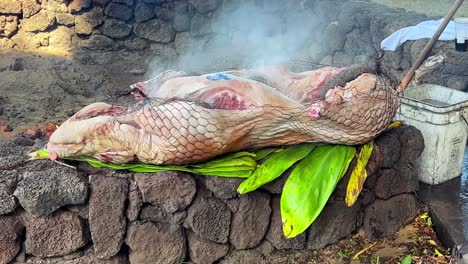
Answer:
(263, 153)
(240, 164)
(310, 185)
(276, 164)
(359, 174)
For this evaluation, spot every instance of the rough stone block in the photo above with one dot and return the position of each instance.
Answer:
(57, 235)
(205, 6)
(136, 44)
(8, 25)
(412, 140)
(223, 188)
(336, 221)
(8, 181)
(107, 220)
(101, 2)
(118, 11)
(10, 7)
(30, 8)
(155, 30)
(389, 145)
(134, 202)
(200, 25)
(164, 13)
(126, 2)
(43, 192)
(98, 42)
(143, 12)
(403, 179)
(65, 19)
(39, 22)
(275, 232)
(12, 228)
(61, 38)
(244, 256)
(115, 28)
(203, 251)
(210, 219)
(76, 6)
(172, 191)
(85, 23)
(155, 243)
(181, 22)
(250, 221)
(384, 217)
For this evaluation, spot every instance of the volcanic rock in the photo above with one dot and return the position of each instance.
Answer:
(204, 251)
(143, 12)
(10, 7)
(155, 30)
(39, 22)
(116, 28)
(8, 180)
(118, 11)
(9, 237)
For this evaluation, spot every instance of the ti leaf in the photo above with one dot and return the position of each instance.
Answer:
(407, 260)
(310, 184)
(277, 163)
(359, 174)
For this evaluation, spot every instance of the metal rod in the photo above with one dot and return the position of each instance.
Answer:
(409, 75)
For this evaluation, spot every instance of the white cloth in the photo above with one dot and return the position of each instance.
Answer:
(422, 30)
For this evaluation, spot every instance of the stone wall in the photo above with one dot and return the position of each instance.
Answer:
(53, 214)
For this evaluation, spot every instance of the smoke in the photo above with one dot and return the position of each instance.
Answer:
(249, 33)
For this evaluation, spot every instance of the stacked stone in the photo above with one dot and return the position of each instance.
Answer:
(54, 214)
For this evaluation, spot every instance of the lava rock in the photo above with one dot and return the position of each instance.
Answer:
(8, 181)
(115, 28)
(134, 202)
(10, 7)
(57, 235)
(181, 22)
(77, 5)
(163, 13)
(101, 2)
(203, 251)
(244, 256)
(118, 11)
(65, 19)
(171, 191)
(143, 12)
(108, 196)
(155, 243)
(334, 36)
(385, 217)
(210, 219)
(155, 30)
(61, 38)
(30, 8)
(8, 26)
(338, 215)
(98, 42)
(85, 23)
(39, 22)
(276, 186)
(43, 192)
(412, 139)
(205, 6)
(250, 222)
(12, 229)
(403, 179)
(275, 232)
(126, 2)
(158, 2)
(389, 145)
(223, 188)
(11, 162)
(136, 44)
(200, 25)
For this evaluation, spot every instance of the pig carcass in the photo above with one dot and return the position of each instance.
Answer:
(187, 119)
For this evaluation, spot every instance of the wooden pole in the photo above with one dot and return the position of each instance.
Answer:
(409, 75)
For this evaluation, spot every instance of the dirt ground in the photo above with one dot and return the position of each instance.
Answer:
(416, 242)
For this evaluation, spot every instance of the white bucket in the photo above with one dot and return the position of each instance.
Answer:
(461, 29)
(438, 112)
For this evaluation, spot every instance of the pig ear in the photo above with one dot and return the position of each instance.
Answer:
(97, 109)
